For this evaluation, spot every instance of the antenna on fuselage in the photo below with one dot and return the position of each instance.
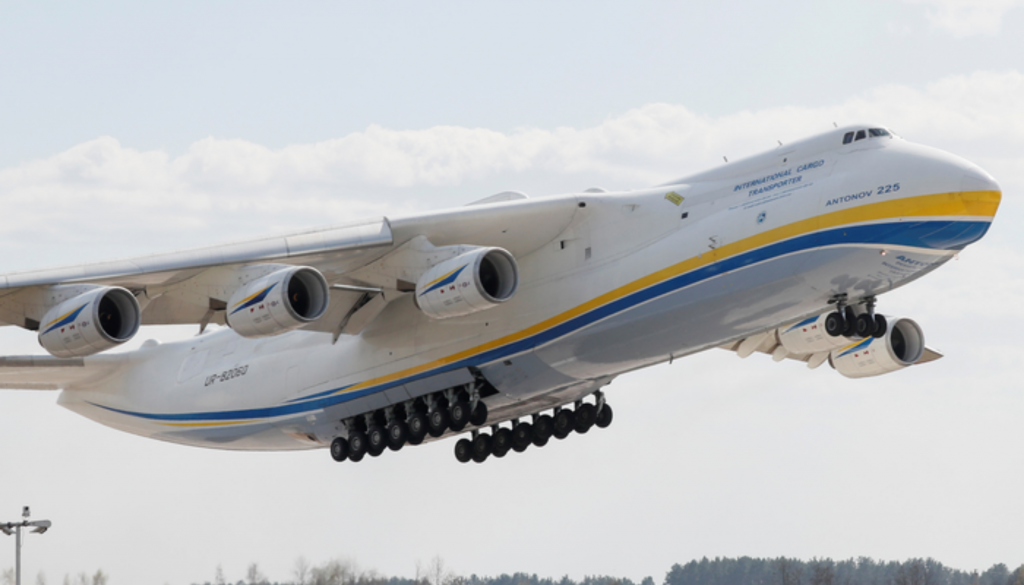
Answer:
(835, 125)
(724, 158)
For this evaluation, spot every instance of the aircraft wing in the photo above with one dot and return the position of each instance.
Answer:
(768, 343)
(193, 285)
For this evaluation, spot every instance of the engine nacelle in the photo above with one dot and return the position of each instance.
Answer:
(471, 282)
(91, 322)
(809, 336)
(278, 302)
(901, 346)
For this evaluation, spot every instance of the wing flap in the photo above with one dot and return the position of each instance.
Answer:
(51, 373)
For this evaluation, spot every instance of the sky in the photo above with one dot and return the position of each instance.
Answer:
(130, 128)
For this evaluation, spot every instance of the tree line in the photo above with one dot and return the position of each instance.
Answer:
(717, 571)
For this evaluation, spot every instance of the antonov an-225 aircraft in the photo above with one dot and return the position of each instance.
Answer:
(506, 318)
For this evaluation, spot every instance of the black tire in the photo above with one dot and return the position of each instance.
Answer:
(604, 417)
(376, 440)
(543, 428)
(479, 416)
(864, 325)
(540, 441)
(564, 424)
(851, 322)
(881, 326)
(501, 442)
(458, 415)
(522, 437)
(437, 423)
(586, 414)
(482, 447)
(418, 427)
(398, 434)
(463, 450)
(357, 445)
(835, 324)
(339, 449)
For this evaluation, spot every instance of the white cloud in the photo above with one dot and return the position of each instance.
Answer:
(101, 198)
(964, 18)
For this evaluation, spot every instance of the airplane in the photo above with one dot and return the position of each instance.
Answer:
(505, 320)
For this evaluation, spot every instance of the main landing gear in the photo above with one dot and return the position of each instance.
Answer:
(543, 427)
(409, 423)
(847, 322)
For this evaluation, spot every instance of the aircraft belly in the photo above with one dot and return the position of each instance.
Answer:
(733, 305)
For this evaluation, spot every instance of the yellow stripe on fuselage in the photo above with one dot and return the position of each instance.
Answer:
(209, 424)
(968, 204)
(981, 204)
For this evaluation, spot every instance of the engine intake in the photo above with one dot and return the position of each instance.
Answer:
(278, 302)
(471, 282)
(901, 346)
(91, 322)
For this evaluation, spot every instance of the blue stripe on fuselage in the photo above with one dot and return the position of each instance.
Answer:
(940, 235)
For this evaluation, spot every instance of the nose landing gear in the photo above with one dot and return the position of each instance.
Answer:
(847, 322)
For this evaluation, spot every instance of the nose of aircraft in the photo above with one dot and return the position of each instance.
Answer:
(980, 191)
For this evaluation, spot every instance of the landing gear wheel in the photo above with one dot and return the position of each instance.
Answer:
(543, 428)
(418, 427)
(604, 417)
(437, 422)
(479, 416)
(339, 449)
(501, 442)
(835, 324)
(522, 436)
(864, 325)
(463, 450)
(376, 440)
(458, 415)
(357, 445)
(564, 423)
(851, 322)
(398, 434)
(881, 326)
(482, 446)
(586, 414)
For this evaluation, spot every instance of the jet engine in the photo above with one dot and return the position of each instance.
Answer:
(471, 282)
(278, 302)
(91, 322)
(901, 346)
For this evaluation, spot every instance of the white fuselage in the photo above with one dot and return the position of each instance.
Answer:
(633, 279)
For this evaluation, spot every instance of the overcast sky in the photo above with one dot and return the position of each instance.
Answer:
(128, 128)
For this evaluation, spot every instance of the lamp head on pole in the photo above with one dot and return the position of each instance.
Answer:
(41, 526)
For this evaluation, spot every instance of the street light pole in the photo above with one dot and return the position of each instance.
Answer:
(17, 556)
(8, 528)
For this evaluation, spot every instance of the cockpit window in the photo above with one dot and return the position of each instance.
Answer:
(862, 134)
